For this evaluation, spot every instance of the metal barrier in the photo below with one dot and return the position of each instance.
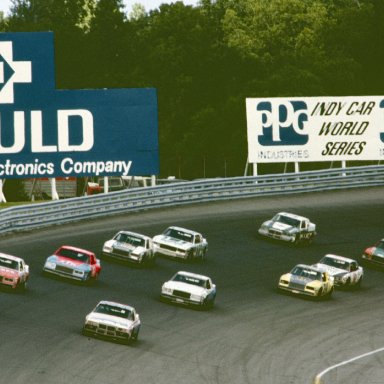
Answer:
(34, 216)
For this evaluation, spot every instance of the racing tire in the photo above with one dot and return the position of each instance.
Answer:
(328, 295)
(135, 335)
(151, 261)
(92, 280)
(297, 240)
(208, 304)
(358, 283)
(22, 287)
(190, 255)
(310, 240)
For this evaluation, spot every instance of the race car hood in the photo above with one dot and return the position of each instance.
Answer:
(299, 280)
(180, 286)
(277, 225)
(181, 244)
(333, 271)
(114, 321)
(8, 272)
(138, 250)
(70, 263)
(118, 245)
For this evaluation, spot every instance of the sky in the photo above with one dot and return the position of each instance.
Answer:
(148, 4)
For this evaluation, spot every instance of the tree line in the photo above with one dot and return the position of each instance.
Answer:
(205, 60)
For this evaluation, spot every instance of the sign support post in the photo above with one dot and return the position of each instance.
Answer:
(2, 197)
(54, 194)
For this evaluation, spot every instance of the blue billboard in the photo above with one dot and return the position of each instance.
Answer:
(45, 132)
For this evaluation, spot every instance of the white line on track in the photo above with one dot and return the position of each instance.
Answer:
(321, 374)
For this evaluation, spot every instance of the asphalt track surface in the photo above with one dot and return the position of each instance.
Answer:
(253, 334)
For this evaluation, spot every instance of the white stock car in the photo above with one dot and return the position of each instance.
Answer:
(346, 272)
(189, 289)
(289, 227)
(181, 243)
(114, 321)
(130, 246)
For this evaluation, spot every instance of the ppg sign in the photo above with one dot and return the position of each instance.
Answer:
(282, 124)
(46, 132)
(315, 129)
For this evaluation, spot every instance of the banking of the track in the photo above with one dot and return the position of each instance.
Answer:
(252, 335)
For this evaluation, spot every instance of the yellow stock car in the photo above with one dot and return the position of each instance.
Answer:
(307, 280)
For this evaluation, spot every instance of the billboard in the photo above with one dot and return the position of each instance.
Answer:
(45, 132)
(315, 129)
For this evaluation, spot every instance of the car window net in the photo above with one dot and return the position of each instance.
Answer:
(179, 235)
(114, 311)
(74, 255)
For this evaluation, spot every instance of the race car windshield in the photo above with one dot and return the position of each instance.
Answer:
(74, 255)
(12, 264)
(107, 309)
(129, 239)
(307, 273)
(179, 235)
(332, 262)
(287, 220)
(190, 280)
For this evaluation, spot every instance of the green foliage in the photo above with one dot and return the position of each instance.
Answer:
(205, 60)
(13, 190)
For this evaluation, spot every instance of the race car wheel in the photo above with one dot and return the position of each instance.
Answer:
(310, 240)
(92, 279)
(297, 239)
(208, 303)
(22, 286)
(189, 255)
(135, 334)
(327, 295)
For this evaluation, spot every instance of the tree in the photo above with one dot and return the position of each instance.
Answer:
(138, 12)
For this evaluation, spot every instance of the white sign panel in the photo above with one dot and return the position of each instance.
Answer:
(315, 129)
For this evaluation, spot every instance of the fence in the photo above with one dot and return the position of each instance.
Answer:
(34, 216)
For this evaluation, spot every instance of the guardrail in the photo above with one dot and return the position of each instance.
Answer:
(34, 216)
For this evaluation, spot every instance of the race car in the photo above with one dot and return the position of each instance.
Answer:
(188, 288)
(375, 254)
(346, 272)
(181, 243)
(73, 263)
(114, 321)
(307, 280)
(130, 246)
(289, 227)
(14, 272)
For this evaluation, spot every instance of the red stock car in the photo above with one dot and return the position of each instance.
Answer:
(375, 254)
(73, 263)
(14, 273)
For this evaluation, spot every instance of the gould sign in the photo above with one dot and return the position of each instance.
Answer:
(46, 132)
(315, 129)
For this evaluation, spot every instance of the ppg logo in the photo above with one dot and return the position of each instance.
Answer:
(282, 123)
